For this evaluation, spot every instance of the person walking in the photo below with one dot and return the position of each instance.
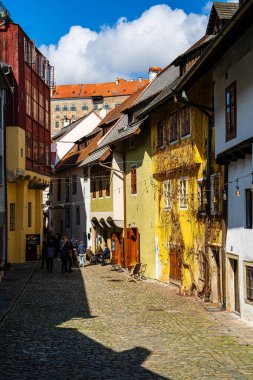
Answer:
(43, 254)
(66, 256)
(50, 252)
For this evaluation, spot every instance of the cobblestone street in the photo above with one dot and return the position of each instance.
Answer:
(95, 324)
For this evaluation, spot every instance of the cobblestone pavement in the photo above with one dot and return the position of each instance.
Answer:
(96, 324)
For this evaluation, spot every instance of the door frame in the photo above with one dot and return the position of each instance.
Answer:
(233, 283)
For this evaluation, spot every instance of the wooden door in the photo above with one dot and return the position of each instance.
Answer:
(132, 247)
(31, 252)
(175, 266)
(116, 249)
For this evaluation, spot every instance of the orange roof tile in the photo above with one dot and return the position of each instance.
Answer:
(123, 88)
(116, 113)
(73, 157)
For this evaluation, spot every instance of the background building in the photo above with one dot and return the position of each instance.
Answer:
(5, 92)
(27, 138)
(71, 102)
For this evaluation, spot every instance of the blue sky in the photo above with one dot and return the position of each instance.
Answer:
(97, 41)
(45, 22)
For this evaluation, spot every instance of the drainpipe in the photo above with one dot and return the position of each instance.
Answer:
(224, 238)
(124, 202)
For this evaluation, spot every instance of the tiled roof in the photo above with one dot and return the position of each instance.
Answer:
(119, 132)
(225, 11)
(200, 43)
(94, 156)
(161, 97)
(163, 79)
(123, 88)
(74, 157)
(116, 113)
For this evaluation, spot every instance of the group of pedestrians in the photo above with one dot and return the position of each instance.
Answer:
(70, 252)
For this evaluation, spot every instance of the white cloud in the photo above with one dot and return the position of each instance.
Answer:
(207, 7)
(125, 49)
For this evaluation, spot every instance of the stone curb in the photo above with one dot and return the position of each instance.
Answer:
(18, 295)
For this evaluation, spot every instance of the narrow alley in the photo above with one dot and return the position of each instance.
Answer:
(96, 324)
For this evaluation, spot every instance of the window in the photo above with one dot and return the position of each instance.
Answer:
(93, 186)
(74, 184)
(108, 189)
(100, 188)
(231, 112)
(65, 107)
(57, 124)
(85, 107)
(29, 214)
(59, 189)
(95, 106)
(173, 127)
(117, 104)
(57, 108)
(67, 190)
(85, 173)
(12, 216)
(29, 144)
(134, 179)
(107, 106)
(201, 196)
(167, 194)
(73, 107)
(35, 148)
(248, 195)
(67, 218)
(249, 283)
(78, 216)
(185, 121)
(215, 194)
(160, 134)
(183, 195)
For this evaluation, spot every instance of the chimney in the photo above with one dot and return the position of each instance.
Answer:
(117, 81)
(140, 79)
(153, 71)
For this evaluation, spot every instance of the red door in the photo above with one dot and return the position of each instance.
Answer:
(132, 247)
(116, 249)
(175, 266)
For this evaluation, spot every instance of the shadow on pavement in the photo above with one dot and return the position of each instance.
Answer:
(37, 341)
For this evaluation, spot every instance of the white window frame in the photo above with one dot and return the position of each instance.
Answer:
(183, 193)
(167, 194)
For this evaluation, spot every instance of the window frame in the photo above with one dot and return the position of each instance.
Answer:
(229, 132)
(160, 134)
(187, 127)
(172, 128)
(247, 264)
(183, 198)
(167, 194)
(108, 184)
(67, 221)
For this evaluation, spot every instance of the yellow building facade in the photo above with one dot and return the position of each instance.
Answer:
(188, 194)
(24, 198)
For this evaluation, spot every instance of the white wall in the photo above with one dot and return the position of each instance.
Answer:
(239, 238)
(236, 65)
(66, 142)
